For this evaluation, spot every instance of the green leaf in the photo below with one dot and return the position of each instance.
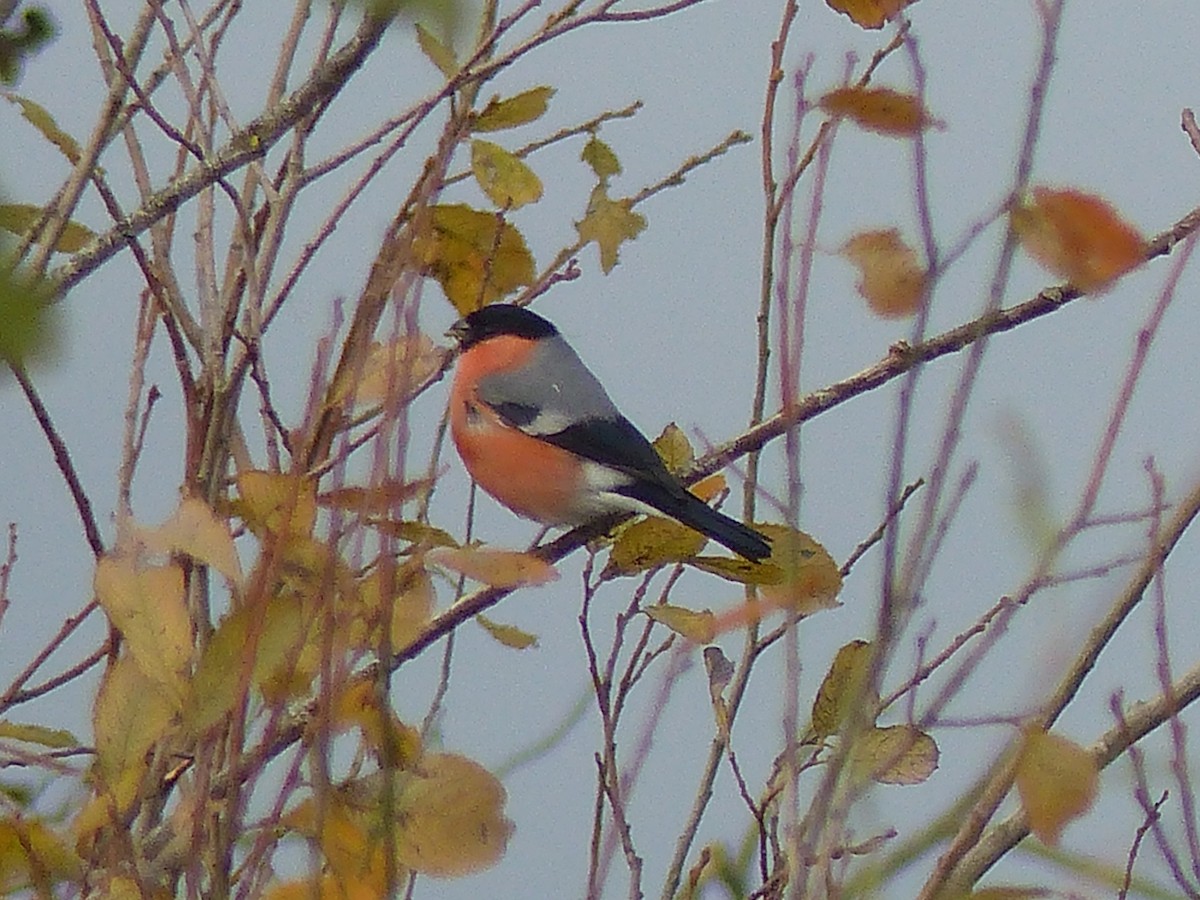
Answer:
(28, 321)
(40, 118)
(18, 218)
(519, 110)
(651, 543)
(54, 738)
(597, 154)
(506, 180)
(898, 754)
(843, 685)
(609, 223)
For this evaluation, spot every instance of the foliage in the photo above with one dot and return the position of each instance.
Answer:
(245, 698)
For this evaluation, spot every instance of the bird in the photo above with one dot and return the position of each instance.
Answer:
(538, 432)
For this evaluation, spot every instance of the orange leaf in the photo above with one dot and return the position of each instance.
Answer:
(881, 110)
(869, 13)
(1078, 236)
(891, 279)
(1057, 781)
(497, 568)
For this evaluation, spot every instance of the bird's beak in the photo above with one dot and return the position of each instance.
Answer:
(458, 331)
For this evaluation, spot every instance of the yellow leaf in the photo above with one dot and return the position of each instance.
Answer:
(1057, 782)
(392, 372)
(437, 52)
(415, 532)
(810, 580)
(698, 626)
(411, 597)
(708, 488)
(890, 278)
(18, 218)
(508, 635)
(674, 448)
(131, 714)
(39, 117)
(898, 754)
(29, 850)
(738, 570)
(353, 853)
(146, 604)
(869, 13)
(195, 530)
(609, 223)
(497, 568)
(1078, 236)
(463, 246)
(273, 637)
(359, 706)
(54, 738)
(285, 505)
(525, 107)
(651, 543)
(841, 688)
(507, 181)
(881, 110)
(450, 814)
(597, 154)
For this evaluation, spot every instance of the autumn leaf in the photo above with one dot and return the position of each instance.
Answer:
(195, 530)
(881, 110)
(410, 595)
(414, 532)
(130, 716)
(285, 505)
(41, 119)
(18, 218)
(1056, 780)
(475, 256)
(609, 223)
(1077, 236)
(497, 568)
(898, 754)
(600, 157)
(890, 278)
(698, 626)
(842, 687)
(739, 571)
(374, 499)
(146, 604)
(650, 543)
(869, 13)
(392, 372)
(508, 635)
(674, 448)
(358, 705)
(54, 738)
(809, 579)
(436, 51)
(31, 853)
(525, 107)
(508, 182)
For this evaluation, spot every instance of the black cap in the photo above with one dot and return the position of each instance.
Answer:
(500, 319)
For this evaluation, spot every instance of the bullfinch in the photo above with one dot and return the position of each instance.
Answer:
(538, 432)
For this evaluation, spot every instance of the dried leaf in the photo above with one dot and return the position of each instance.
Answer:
(525, 107)
(698, 626)
(1078, 236)
(18, 218)
(609, 223)
(374, 499)
(1057, 781)
(196, 531)
(497, 568)
(146, 604)
(881, 110)
(898, 754)
(869, 13)
(890, 277)
(597, 154)
(842, 687)
(463, 246)
(651, 543)
(509, 635)
(392, 372)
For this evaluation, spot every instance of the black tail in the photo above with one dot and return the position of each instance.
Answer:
(685, 507)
